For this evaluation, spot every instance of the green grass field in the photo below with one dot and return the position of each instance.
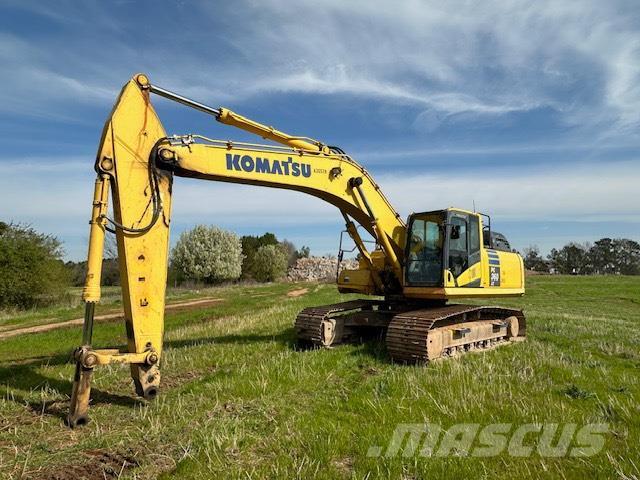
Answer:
(239, 401)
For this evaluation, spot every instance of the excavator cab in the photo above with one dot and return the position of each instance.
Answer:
(442, 244)
(450, 253)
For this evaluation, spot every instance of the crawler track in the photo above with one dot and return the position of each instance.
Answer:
(423, 335)
(318, 326)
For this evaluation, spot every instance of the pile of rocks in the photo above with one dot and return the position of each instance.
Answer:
(317, 269)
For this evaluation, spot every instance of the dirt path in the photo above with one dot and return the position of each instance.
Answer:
(297, 293)
(178, 306)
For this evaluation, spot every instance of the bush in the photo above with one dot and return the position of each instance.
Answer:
(207, 254)
(110, 272)
(31, 270)
(269, 263)
(250, 245)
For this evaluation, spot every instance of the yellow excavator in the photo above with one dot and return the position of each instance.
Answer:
(414, 270)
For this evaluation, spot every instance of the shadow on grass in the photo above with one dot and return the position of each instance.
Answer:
(26, 377)
(286, 338)
(371, 344)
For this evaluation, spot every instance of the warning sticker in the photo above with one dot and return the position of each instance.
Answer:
(494, 276)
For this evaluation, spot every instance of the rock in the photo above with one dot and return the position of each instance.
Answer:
(318, 269)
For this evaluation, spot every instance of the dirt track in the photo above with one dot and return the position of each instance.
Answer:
(187, 305)
(297, 293)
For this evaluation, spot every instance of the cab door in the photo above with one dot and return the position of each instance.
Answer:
(462, 255)
(425, 248)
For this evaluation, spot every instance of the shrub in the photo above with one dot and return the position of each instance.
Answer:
(269, 263)
(110, 272)
(31, 269)
(250, 245)
(208, 254)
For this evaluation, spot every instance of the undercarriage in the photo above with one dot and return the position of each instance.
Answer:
(413, 332)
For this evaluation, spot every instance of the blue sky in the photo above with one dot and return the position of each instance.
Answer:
(529, 109)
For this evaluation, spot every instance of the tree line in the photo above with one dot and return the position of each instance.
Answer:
(619, 256)
(209, 255)
(33, 273)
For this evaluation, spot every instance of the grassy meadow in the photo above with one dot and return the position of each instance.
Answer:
(238, 400)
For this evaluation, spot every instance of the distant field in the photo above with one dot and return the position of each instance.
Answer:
(238, 400)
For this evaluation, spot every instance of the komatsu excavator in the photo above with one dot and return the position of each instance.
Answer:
(414, 270)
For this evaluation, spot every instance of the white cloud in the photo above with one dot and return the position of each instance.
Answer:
(582, 192)
(59, 188)
(575, 57)
(436, 61)
(246, 204)
(37, 88)
(55, 196)
(579, 58)
(339, 80)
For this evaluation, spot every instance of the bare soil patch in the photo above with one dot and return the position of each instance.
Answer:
(297, 293)
(172, 307)
(102, 464)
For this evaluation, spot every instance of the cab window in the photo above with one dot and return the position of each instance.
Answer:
(474, 240)
(424, 259)
(464, 242)
(458, 245)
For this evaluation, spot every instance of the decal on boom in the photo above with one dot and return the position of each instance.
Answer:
(247, 163)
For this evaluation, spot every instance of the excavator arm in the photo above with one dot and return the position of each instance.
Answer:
(137, 161)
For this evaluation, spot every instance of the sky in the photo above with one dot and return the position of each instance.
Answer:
(528, 110)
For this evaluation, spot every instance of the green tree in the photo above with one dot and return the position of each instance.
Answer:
(617, 256)
(572, 258)
(31, 269)
(602, 256)
(208, 254)
(627, 256)
(269, 263)
(110, 272)
(250, 245)
(533, 260)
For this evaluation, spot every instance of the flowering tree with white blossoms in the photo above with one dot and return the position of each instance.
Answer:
(209, 254)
